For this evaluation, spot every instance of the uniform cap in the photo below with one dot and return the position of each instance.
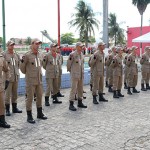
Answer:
(10, 42)
(79, 44)
(53, 45)
(101, 43)
(36, 41)
(118, 49)
(134, 48)
(147, 48)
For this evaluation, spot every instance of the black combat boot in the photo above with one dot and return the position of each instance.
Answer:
(94, 99)
(7, 107)
(71, 106)
(91, 86)
(3, 123)
(135, 90)
(81, 105)
(119, 93)
(147, 86)
(106, 84)
(59, 94)
(143, 88)
(129, 91)
(125, 86)
(47, 101)
(110, 89)
(55, 100)
(15, 109)
(29, 117)
(40, 114)
(115, 95)
(101, 98)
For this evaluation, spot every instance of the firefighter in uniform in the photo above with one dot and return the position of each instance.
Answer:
(75, 65)
(3, 68)
(126, 68)
(97, 63)
(132, 71)
(91, 72)
(145, 69)
(60, 70)
(51, 65)
(117, 66)
(13, 60)
(110, 70)
(31, 65)
(107, 69)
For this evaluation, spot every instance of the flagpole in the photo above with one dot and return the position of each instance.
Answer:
(58, 22)
(3, 16)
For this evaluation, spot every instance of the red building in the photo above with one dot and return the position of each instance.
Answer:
(134, 32)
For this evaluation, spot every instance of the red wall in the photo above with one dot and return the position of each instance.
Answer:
(134, 32)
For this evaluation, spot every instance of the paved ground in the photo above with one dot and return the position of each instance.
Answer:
(120, 124)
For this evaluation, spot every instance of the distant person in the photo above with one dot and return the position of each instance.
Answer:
(3, 68)
(126, 69)
(132, 71)
(91, 70)
(60, 58)
(110, 69)
(97, 64)
(107, 69)
(13, 60)
(145, 69)
(51, 65)
(75, 65)
(117, 66)
(31, 66)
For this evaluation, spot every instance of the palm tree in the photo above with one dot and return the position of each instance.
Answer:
(141, 5)
(115, 33)
(84, 20)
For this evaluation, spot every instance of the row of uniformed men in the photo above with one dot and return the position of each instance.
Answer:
(30, 64)
(114, 71)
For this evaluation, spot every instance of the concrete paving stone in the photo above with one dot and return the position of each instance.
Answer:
(120, 124)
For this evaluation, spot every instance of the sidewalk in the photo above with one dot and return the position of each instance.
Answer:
(120, 124)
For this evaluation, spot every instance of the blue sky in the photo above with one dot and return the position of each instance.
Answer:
(28, 17)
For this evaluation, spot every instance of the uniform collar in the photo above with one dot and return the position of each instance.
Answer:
(78, 53)
(10, 53)
(33, 53)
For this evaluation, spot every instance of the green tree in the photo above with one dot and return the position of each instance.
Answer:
(141, 5)
(67, 38)
(115, 33)
(28, 41)
(84, 20)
